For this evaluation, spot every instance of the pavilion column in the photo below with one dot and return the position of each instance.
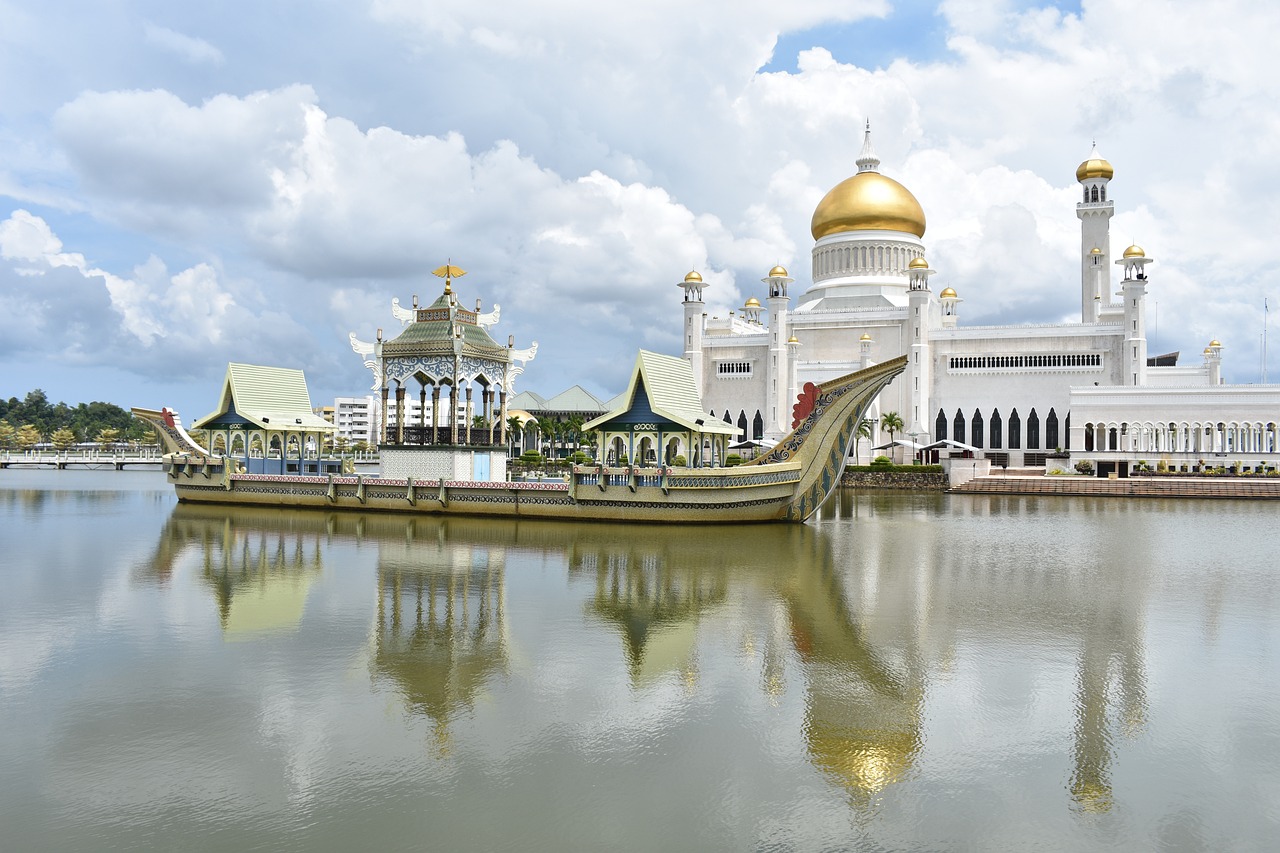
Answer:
(422, 410)
(453, 414)
(400, 414)
(502, 416)
(488, 413)
(382, 430)
(435, 413)
(466, 422)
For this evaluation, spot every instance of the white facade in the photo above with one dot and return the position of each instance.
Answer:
(1020, 390)
(358, 418)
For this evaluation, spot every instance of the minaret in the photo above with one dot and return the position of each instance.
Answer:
(873, 410)
(778, 391)
(949, 300)
(1095, 213)
(694, 319)
(917, 372)
(1133, 290)
(1096, 272)
(1213, 361)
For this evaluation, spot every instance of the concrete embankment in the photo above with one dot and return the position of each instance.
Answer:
(1253, 488)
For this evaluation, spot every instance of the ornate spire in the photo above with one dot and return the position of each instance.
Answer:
(867, 159)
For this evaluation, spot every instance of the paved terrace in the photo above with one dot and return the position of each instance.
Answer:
(1138, 487)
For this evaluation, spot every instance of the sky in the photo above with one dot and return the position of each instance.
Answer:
(184, 185)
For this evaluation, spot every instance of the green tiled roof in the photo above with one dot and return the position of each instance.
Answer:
(575, 399)
(270, 397)
(434, 336)
(672, 393)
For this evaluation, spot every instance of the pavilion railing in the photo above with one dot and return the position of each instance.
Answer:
(442, 436)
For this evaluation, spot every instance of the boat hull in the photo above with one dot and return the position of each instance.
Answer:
(754, 495)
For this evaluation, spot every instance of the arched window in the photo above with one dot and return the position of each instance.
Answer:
(1051, 431)
(1067, 426)
(1094, 194)
(1104, 193)
(1015, 431)
(757, 426)
(975, 429)
(1088, 438)
(958, 425)
(742, 425)
(727, 419)
(940, 427)
(1033, 431)
(1113, 439)
(997, 430)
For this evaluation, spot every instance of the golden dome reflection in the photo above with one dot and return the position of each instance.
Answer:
(868, 201)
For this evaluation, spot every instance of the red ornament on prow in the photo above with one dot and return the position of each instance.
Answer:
(807, 399)
(168, 416)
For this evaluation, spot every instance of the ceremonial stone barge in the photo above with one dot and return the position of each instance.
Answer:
(676, 452)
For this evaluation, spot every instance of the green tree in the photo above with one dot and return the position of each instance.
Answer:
(62, 438)
(891, 422)
(28, 436)
(107, 437)
(513, 429)
(863, 430)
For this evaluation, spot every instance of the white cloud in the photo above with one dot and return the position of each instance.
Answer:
(190, 49)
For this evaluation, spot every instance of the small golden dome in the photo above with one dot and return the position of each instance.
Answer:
(753, 303)
(1214, 343)
(1095, 251)
(868, 201)
(947, 293)
(1095, 167)
(1208, 351)
(866, 336)
(778, 272)
(1134, 251)
(793, 340)
(693, 276)
(918, 264)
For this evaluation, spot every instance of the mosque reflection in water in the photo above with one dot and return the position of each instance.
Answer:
(862, 627)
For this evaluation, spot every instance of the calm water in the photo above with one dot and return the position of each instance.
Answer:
(908, 673)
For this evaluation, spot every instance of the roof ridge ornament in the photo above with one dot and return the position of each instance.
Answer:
(448, 272)
(867, 160)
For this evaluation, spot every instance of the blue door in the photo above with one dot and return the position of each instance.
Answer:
(481, 467)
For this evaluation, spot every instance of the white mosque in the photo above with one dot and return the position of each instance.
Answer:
(1017, 393)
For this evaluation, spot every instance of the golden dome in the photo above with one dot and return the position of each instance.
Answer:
(1095, 251)
(866, 336)
(1214, 343)
(868, 201)
(753, 303)
(1208, 351)
(1134, 251)
(918, 264)
(1095, 167)
(693, 276)
(947, 293)
(793, 340)
(778, 272)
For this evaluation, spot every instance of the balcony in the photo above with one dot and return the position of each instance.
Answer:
(432, 436)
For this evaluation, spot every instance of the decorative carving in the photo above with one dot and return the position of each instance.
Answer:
(404, 315)
(365, 350)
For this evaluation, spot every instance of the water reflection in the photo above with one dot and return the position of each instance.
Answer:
(857, 622)
(440, 633)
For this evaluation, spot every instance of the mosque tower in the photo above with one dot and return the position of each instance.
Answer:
(694, 317)
(779, 382)
(1095, 213)
(918, 323)
(1133, 290)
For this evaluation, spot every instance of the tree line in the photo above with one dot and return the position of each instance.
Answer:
(34, 420)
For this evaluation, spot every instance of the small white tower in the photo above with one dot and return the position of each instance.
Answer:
(751, 310)
(778, 382)
(864, 345)
(917, 373)
(949, 301)
(1133, 290)
(1213, 361)
(694, 321)
(1095, 213)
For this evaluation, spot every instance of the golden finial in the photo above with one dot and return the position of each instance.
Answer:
(448, 272)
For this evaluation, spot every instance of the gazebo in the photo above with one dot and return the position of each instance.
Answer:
(660, 417)
(264, 418)
(446, 350)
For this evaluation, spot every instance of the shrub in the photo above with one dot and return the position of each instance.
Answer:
(679, 461)
(1084, 466)
(732, 459)
(881, 462)
(531, 457)
(579, 458)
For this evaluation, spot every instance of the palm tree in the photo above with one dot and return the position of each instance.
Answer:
(864, 430)
(891, 423)
(514, 428)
